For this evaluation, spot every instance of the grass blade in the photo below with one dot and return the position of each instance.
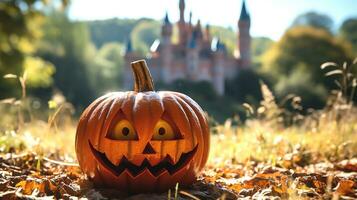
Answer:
(328, 64)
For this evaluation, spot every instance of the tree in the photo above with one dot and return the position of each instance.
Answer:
(67, 45)
(259, 46)
(348, 31)
(111, 30)
(245, 87)
(300, 83)
(305, 49)
(226, 35)
(20, 31)
(314, 19)
(144, 34)
(108, 66)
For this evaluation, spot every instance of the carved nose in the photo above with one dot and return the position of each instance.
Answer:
(148, 149)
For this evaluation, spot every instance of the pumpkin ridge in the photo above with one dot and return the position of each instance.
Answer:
(185, 107)
(197, 135)
(184, 129)
(83, 121)
(203, 122)
(102, 118)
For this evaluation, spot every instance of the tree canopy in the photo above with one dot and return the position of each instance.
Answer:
(314, 19)
(302, 50)
(348, 31)
(20, 31)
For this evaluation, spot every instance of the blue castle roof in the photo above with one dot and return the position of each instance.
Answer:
(244, 15)
(166, 19)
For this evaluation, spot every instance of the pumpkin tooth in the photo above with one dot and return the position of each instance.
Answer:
(170, 159)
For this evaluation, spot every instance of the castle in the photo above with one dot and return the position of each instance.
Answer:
(197, 56)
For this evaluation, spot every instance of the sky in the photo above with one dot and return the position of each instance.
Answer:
(269, 18)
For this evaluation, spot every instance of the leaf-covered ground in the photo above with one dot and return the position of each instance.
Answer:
(275, 154)
(28, 176)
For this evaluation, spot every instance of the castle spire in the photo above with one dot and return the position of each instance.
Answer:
(207, 33)
(166, 19)
(182, 26)
(244, 15)
(190, 19)
(198, 30)
(166, 29)
(244, 38)
(182, 10)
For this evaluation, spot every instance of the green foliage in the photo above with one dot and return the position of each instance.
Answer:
(108, 65)
(348, 31)
(198, 90)
(144, 31)
(67, 45)
(227, 36)
(144, 34)
(245, 87)
(314, 19)
(39, 72)
(345, 80)
(259, 46)
(204, 94)
(20, 30)
(300, 83)
(111, 30)
(304, 49)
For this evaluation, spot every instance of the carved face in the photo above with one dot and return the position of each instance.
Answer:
(142, 141)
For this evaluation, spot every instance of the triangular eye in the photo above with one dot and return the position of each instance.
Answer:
(164, 131)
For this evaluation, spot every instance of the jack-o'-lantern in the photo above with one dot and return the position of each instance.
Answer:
(142, 140)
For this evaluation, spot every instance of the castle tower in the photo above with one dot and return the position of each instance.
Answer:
(244, 38)
(166, 50)
(207, 35)
(192, 57)
(199, 34)
(219, 51)
(182, 23)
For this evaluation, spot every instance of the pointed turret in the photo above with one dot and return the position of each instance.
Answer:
(244, 15)
(244, 37)
(198, 30)
(182, 24)
(219, 51)
(182, 10)
(166, 50)
(190, 21)
(207, 35)
(192, 56)
(166, 29)
(166, 19)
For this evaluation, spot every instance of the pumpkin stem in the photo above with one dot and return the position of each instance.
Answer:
(142, 78)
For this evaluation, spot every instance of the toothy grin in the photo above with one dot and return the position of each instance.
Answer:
(166, 164)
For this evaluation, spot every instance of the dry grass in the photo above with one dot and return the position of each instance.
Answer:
(257, 139)
(272, 135)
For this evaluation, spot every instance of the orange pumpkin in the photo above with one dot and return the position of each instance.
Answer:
(142, 140)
